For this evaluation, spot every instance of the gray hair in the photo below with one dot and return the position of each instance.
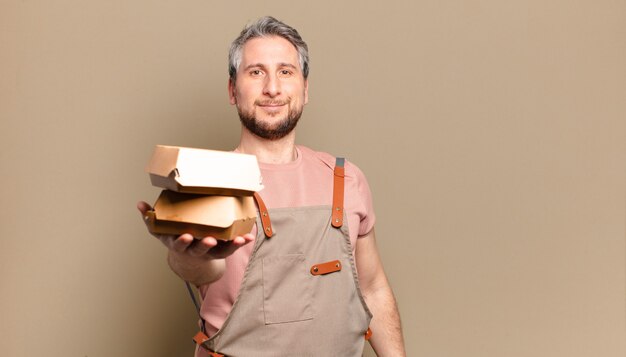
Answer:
(263, 27)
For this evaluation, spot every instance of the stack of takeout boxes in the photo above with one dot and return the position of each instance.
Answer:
(207, 192)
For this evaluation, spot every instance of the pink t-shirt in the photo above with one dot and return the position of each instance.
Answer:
(306, 181)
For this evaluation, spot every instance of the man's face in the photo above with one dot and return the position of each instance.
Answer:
(270, 90)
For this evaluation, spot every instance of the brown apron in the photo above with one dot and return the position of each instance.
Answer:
(300, 294)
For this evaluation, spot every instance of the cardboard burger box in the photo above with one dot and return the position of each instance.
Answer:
(211, 172)
(223, 217)
(207, 192)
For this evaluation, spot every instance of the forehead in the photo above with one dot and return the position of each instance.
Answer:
(269, 51)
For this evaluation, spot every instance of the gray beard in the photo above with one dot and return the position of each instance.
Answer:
(270, 132)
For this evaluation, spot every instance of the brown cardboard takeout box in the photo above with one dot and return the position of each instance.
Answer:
(208, 193)
(222, 217)
(211, 172)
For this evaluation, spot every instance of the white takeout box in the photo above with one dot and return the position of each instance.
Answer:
(190, 170)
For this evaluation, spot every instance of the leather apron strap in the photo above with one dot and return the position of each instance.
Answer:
(338, 184)
(265, 216)
(337, 218)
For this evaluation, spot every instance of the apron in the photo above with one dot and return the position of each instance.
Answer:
(300, 294)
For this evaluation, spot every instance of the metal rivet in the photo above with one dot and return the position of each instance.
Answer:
(338, 209)
(337, 265)
(315, 269)
(267, 229)
(337, 220)
(264, 214)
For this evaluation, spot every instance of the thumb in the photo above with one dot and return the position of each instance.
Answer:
(143, 207)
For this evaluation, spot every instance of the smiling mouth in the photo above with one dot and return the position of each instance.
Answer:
(271, 104)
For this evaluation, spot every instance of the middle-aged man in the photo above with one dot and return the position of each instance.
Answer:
(290, 287)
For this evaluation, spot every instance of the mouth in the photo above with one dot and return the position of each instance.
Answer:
(271, 104)
(272, 108)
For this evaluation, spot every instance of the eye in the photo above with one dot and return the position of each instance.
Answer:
(285, 72)
(256, 72)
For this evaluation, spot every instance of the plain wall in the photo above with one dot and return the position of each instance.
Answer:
(493, 134)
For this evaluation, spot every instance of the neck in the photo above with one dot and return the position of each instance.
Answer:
(279, 151)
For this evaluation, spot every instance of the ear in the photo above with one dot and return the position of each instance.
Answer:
(306, 91)
(231, 92)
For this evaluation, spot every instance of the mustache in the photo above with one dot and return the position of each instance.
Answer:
(271, 102)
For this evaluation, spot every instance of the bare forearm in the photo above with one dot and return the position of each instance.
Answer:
(194, 270)
(386, 338)
(386, 328)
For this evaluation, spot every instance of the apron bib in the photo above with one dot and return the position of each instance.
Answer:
(300, 294)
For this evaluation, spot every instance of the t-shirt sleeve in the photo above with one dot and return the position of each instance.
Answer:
(368, 218)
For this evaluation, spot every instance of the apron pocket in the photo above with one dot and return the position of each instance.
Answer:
(287, 289)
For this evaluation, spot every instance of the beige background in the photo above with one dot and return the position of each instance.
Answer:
(493, 134)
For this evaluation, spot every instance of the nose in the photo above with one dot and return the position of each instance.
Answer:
(272, 86)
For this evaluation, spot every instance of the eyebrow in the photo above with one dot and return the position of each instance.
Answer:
(261, 65)
(287, 65)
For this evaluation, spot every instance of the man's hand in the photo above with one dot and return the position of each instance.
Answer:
(199, 261)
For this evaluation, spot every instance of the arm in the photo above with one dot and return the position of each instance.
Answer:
(387, 337)
(198, 261)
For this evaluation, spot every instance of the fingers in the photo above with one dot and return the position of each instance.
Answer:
(225, 248)
(202, 246)
(248, 237)
(181, 243)
(207, 247)
(242, 240)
